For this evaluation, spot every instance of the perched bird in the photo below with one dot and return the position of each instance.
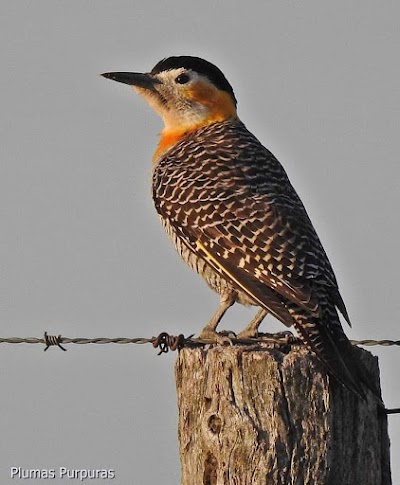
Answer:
(230, 210)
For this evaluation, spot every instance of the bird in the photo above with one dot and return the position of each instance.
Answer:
(234, 217)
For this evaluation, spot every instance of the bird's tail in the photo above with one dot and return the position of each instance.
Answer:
(325, 337)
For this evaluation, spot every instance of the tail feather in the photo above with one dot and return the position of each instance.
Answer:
(325, 338)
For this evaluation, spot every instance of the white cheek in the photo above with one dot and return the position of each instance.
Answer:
(184, 116)
(196, 114)
(182, 113)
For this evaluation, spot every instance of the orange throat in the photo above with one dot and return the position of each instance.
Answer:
(168, 140)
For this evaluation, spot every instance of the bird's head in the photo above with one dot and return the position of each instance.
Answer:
(187, 92)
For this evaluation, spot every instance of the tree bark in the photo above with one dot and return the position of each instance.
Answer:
(264, 415)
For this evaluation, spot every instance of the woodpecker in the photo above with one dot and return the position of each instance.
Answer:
(230, 210)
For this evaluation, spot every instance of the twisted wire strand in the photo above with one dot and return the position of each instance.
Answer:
(165, 338)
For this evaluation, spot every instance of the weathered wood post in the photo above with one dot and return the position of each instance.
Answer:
(265, 414)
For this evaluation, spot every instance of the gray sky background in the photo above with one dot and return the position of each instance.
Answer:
(82, 251)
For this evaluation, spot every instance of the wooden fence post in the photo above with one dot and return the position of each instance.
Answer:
(252, 415)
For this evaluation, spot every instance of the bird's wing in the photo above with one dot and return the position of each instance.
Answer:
(252, 246)
(255, 253)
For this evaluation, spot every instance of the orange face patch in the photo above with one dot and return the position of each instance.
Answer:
(219, 103)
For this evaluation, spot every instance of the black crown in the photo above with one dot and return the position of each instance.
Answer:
(198, 65)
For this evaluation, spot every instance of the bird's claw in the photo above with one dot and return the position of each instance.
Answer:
(246, 334)
(219, 338)
(288, 336)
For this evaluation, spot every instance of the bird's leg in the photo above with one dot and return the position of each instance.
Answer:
(251, 330)
(209, 331)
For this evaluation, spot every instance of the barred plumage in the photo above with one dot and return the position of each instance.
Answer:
(234, 217)
(219, 192)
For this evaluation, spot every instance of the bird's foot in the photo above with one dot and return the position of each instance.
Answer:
(248, 333)
(219, 338)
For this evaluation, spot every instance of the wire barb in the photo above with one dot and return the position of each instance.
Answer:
(50, 340)
(166, 342)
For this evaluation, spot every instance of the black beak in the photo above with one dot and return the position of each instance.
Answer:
(146, 81)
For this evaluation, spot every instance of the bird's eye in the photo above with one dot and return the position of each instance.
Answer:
(182, 79)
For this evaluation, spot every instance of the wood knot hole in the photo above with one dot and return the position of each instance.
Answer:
(214, 424)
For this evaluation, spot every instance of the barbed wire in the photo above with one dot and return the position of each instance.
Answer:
(166, 342)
